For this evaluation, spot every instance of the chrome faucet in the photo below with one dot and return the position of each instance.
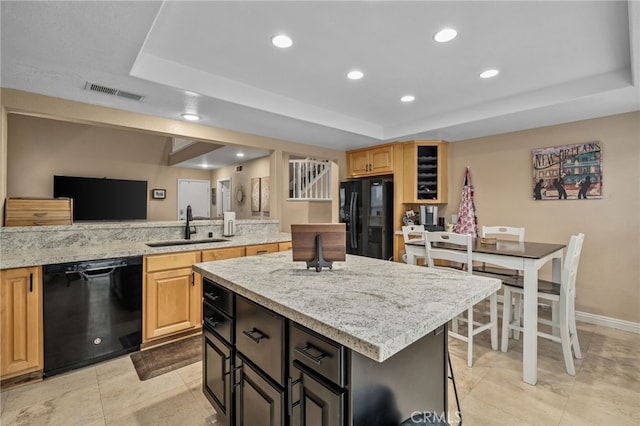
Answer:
(187, 230)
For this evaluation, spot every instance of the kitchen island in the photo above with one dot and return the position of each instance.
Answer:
(383, 319)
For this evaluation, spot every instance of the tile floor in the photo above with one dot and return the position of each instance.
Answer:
(605, 390)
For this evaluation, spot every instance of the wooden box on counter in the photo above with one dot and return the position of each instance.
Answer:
(38, 211)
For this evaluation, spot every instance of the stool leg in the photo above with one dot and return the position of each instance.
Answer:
(470, 337)
(506, 319)
(493, 318)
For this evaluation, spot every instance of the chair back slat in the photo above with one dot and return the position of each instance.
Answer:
(502, 231)
(435, 251)
(410, 232)
(571, 262)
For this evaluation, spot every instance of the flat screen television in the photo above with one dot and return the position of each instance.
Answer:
(102, 198)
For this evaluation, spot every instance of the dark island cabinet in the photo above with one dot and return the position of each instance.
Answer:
(261, 368)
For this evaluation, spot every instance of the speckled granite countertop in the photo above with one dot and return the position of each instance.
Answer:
(371, 306)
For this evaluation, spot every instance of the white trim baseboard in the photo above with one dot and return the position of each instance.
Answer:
(632, 327)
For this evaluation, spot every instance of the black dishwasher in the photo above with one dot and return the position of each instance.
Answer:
(92, 311)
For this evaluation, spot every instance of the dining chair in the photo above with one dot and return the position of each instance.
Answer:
(413, 252)
(462, 256)
(500, 232)
(562, 297)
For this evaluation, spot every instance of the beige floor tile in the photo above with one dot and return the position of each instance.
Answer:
(123, 391)
(177, 406)
(504, 389)
(191, 373)
(600, 404)
(476, 412)
(81, 406)
(50, 388)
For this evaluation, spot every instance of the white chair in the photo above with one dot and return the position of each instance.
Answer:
(562, 297)
(500, 232)
(462, 255)
(413, 252)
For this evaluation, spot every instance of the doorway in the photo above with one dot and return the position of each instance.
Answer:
(194, 193)
(224, 196)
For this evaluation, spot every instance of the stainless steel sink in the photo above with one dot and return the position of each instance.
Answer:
(185, 242)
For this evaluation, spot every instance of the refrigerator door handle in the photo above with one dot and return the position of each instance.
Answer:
(354, 220)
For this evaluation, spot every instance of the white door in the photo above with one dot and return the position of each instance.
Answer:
(194, 193)
(224, 197)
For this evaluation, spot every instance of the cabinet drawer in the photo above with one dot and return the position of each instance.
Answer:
(262, 249)
(260, 336)
(162, 262)
(222, 253)
(218, 296)
(284, 246)
(318, 353)
(215, 320)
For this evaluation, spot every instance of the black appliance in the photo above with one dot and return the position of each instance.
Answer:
(366, 207)
(102, 198)
(92, 311)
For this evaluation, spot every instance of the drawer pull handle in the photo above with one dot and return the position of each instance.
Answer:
(211, 296)
(39, 223)
(40, 214)
(212, 322)
(306, 351)
(250, 335)
(262, 251)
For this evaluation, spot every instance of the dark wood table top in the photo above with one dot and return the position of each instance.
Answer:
(525, 249)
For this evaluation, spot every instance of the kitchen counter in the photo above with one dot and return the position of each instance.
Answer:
(32, 246)
(373, 307)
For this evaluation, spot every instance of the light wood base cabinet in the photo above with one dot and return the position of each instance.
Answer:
(172, 296)
(21, 318)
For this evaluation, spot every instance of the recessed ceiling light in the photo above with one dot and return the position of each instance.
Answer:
(355, 75)
(444, 35)
(240, 154)
(190, 117)
(408, 98)
(489, 73)
(282, 41)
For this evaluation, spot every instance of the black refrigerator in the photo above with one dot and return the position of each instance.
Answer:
(366, 207)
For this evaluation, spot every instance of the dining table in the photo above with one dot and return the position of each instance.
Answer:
(527, 257)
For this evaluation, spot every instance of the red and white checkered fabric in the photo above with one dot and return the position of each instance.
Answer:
(467, 219)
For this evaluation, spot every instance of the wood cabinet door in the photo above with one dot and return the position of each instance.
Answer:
(21, 317)
(358, 163)
(381, 160)
(258, 402)
(172, 302)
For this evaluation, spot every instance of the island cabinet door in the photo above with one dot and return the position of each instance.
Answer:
(259, 401)
(217, 380)
(314, 401)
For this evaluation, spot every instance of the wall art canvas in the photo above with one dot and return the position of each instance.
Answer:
(264, 194)
(569, 172)
(255, 194)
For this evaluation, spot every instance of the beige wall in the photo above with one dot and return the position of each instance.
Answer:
(30, 104)
(39, 148)
(258, 168)
(501, 172)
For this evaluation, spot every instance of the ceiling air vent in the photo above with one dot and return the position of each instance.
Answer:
(111, 91)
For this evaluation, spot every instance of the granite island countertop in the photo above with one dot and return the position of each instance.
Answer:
(371, 306)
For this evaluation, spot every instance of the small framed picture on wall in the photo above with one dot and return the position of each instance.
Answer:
(158, 194)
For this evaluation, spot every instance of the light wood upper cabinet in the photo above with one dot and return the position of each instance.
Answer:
(372, 161)
(22, 348)
(425, 172)
(172, 296)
